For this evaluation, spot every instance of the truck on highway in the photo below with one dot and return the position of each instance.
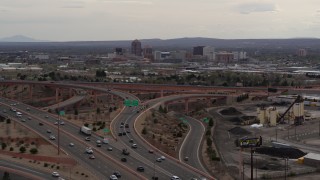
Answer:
(85, 130)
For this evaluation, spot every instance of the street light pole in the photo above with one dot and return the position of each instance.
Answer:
(252, 163)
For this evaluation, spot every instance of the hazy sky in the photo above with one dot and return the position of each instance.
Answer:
(64, 20)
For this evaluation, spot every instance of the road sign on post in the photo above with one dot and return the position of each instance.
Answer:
(106, 130)
(62, 113)
(206, 120)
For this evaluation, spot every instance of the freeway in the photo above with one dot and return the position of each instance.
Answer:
(139, 156)
(179, 168)
(100, 166)
(190, 148)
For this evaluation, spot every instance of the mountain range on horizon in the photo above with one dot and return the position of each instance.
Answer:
(177, 42)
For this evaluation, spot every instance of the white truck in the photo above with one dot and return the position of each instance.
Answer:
(85, 130)
(19, 114)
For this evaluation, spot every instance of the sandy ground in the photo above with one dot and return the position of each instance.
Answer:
(67, 172)
(44, 149)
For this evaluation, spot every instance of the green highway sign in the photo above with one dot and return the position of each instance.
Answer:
(128, 102)
(206, 120)
(106, 130)
(62, 113)
(135, 103)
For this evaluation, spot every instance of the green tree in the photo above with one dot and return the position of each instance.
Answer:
(210, 122)
(6, 176)
(208, 133)
(209, 142)
(98, 111)
(3, 145)
(76, 112)
(160, 109)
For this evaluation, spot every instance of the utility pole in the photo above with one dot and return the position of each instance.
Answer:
(285, 168)
(251, 162)
(58, 128)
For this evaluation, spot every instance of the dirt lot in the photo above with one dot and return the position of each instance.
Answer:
(231, 156)
(163, 131)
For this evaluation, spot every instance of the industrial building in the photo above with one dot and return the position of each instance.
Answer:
(312, 159)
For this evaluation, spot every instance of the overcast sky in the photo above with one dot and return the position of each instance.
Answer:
(69, 20)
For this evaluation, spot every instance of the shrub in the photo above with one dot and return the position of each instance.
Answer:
(8, 121)
(155, 120)
(58, 167)
(11, 149)
(22, 149)
(211, 122)
(208, 133)
(179, 134)
(34, 151)
(144, 130)
(45, 164)
(209, 141)
(3, 146)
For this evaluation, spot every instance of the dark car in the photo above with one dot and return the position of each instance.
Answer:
(40, 124)
(120, 134)
(124, 133)
(125, 152)
(140, 169)
(126, 125)
(117, 173)
(124, 159)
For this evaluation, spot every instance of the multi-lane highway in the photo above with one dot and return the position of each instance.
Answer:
(102, 166)
(108, 161)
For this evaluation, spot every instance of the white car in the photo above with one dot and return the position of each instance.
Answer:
(62, 123)
(55, 174)
(158, 159)
(71, 144)
(134, 146)
(175, 178)
(89, 150)
(52, 137)
(163, 158)
(113, 177)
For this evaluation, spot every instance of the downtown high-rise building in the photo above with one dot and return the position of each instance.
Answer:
(136, 48)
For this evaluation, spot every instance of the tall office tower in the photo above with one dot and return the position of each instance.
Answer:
(136, 47)
(208, 52)
(119, 51)
(302, 53)
(198, 50)
(147, 52)
(157, 55)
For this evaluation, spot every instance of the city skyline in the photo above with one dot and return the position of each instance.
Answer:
(99, 20)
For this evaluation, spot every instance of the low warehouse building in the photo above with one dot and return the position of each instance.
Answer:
(312, 159)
